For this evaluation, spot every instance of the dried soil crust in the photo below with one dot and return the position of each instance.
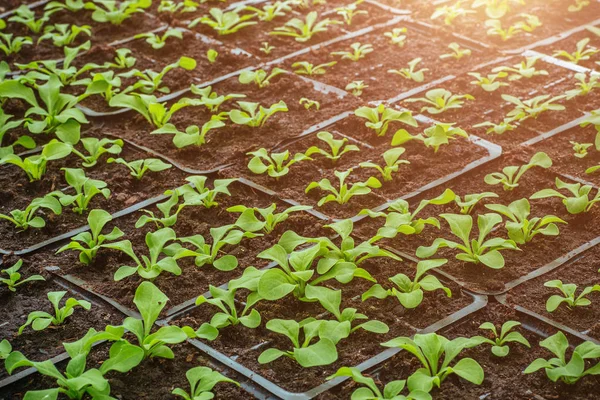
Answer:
(554, 17)
(125, 192)
(153, 379)
(191, 221)
(503, 376)
(233, 141)
(42, 345)
(583, 272)
(542, 250)
(245, 345)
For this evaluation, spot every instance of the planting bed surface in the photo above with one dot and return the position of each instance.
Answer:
(225, 155)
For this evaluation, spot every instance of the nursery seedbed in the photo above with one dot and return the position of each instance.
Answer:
(542, 251)
(569, 44)
(286, 379)
(47, 344)
(226, 144)
(98, 276)
(582, 271)
(503, 376)
(387, 56)
(251, 38)
(193, 45)
(472, 26)
(147, 381)
(127, 194)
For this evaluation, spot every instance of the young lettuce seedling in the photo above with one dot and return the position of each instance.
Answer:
(580, 149)
(308, 104)
(275, 165)
(331, 300)
(490, 82)
(499, 342)
(337, 147)
(210, 254)
(202, 380)
(323, 352)
(525, 69)
(182, 7)
(379, 118)
(40, 320)
(583, 52)
(410, 292)
(532, 108)
(10, 44)
(391, 391)
(584, 86)
(25, 16)
(399, 219)
(303, 31)
(260, 77)
(254, 115)
(432, 348)
(35, 166)
(471, 200)
(558, 368)
(96, 148)
(358, 51)
(392, 163)
(138, 168)
(5, 349)
(249, 222)
(159, 41)
(123, 59)
(441, 100)
(480, 250)
(346, 191)
(85, 188)
(14, 280)
(150, 81)
(197, 192)
(157, 114)
(271, 11)
(306, 68)
(88, 243)
(64, 34)
(578, 5)
(150, 301)
(568, 295)
(397, 36)
(497, 129)
(579, 201)
(348, 12)
(150, 267)
(450, 13)
(168, 219)
(24, 219)
(116, 12)
(211, 100)
(496, 8)
(193, 135)
(521, 229)
(434, 136)
(356, 87)
(456, 52)
(225, 22)
(211, 55)
(79, 382)
(105, 84)
(411, 73)
(510, 176)
(225, 301)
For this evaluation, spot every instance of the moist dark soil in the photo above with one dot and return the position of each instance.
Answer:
(192, 220)
(42, 345)
(152, 379)
(125, 189)
(582, 271)
(503, 376)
